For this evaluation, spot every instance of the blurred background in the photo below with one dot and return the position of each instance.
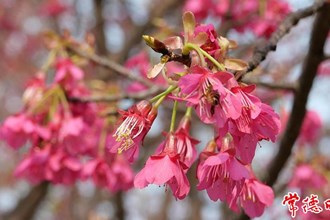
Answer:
(117, 26)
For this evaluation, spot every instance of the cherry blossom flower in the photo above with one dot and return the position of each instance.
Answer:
(265, 126)
(220, 173)
(254, 197)
(135, 124)
(306, 177)
(67, 74)
(165, 168)
(205, 91)
(251, 15)
(112, 172)
(34, 166)
(17, 130)
(310, 130)
(63, 168)
(184, 143)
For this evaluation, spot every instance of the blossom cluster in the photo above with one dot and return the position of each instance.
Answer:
(239, 118)
(64, 140)
(67, 139)
(260, 17)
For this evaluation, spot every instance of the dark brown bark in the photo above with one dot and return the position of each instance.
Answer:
(313, 59)
(26, 208)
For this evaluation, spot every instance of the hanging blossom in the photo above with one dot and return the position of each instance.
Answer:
(56, 134)
(135, 124)
(185, 144)
(111, 172)
(206, 92)
(220, 172)
(165, 168)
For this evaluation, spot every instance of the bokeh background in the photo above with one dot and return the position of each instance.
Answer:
(117, 26)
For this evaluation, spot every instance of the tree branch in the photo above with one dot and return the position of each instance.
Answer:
(290, 21)
(111, 65)
(27, 207)
(99, 27)
(272, 85)
(158, 9)
(111, 98)
(312, 61)
(314, 58)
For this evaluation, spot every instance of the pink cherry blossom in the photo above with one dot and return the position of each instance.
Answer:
(255, 196)
(250, 15)
(184, 143)
(34, 166)
(18, 129)
(306, 177)
(122, 173)
(265, 126)
(206, 92)
(311, 128)
(220, 173)
(63, 168)
(165, 168)
(100, 172)
(140, 65)
(53, 8)
(113, 173)
(68, 74)
(211, 45)
(200, 8)
(135, 124)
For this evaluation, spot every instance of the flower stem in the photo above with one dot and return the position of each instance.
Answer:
(189, 47)
(160, 97)
(173, 116)
(214, 61)
(188, 112)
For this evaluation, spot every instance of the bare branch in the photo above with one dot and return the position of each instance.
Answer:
(272, 85)
(111, 65)
(99, 27)
(312, 61)
(157, 9)
(27, 207)
(290, 21)
(111, 98)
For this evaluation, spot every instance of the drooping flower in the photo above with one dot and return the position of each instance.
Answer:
(63, 168)
(68, 74)
(254, 197)
(34, 166)
(165, 168)
(184, 143)
(265, 126)
(112, 172)
(135, 124)
(18, 129)
(220, 173)
(205, 91)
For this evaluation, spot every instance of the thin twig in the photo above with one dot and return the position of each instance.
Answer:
(157, 9)
(111, 98)
(109, 64)
(290, 21)
(272, 85)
